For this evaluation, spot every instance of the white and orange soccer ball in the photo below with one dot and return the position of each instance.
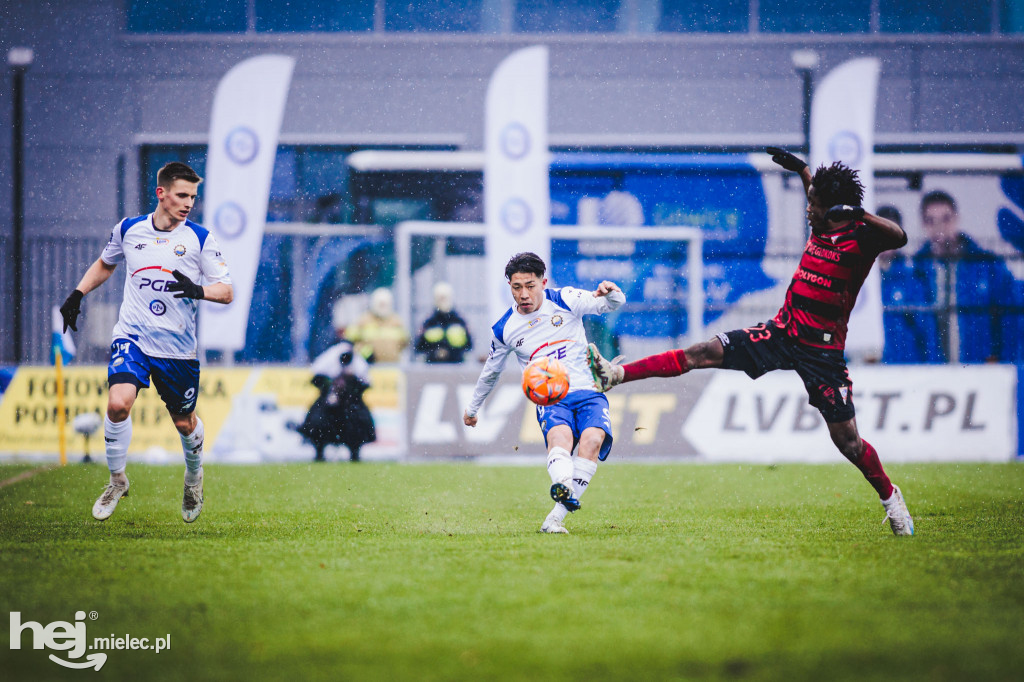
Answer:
(545, 381)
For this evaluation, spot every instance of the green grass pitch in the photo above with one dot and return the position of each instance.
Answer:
(437, 572)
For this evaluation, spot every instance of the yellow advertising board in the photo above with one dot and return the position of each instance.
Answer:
(28, 408)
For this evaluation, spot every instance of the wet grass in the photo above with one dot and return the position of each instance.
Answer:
(436, 572)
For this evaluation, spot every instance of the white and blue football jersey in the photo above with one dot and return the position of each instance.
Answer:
(160, 324)
(555, 329)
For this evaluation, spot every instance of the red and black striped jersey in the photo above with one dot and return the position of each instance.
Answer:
(825, 286)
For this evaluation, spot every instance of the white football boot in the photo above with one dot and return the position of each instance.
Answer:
(897, 514)
(192, 500)
(107, 502)
(551, 525)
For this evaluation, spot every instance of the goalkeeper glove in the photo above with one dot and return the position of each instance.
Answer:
(844, 212)
(70, 310)
(786, 160)
(187, 287)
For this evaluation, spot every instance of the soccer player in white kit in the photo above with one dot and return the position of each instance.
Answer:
(167, 256)
(550, 322)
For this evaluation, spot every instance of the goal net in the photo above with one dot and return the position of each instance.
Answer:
(660, 269)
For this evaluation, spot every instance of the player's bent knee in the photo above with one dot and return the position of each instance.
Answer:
(117, 414)
(120, 399)
(118, 408)
(591, 441)
(593, 437)
(184, 423)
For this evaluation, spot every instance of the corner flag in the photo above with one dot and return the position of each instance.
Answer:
(61, 340)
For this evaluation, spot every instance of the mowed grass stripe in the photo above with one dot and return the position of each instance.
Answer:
(390, 572)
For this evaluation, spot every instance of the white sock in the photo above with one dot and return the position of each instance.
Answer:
(560, 465)
(117, 436)
(192, 446)
(581, 475)
(559, 512)
(583, 471)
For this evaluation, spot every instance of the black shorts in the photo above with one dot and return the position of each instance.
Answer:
(766, 347)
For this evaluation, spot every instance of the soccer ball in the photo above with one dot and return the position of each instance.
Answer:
(545, 381)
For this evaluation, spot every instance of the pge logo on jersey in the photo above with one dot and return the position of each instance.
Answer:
(71, 638)
(154, 284)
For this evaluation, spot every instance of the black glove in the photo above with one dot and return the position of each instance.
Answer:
(70, 310)
(786, 160)
(843, 212)
(187, 287)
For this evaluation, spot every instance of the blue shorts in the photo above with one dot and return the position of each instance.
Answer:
(579, 411)
(177, 381)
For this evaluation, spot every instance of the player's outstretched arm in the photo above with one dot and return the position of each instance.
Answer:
(98, 273)
(605, 288)
(791, 162)
(488, 379)
(894, 236)
(890, 234)
(219, 292)
(606, 297)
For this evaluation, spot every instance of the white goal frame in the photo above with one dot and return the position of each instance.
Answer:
(406, 230)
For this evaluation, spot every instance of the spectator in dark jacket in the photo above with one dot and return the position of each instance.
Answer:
(957, 297)
(339, 416)
(444, 336)
(911, 335)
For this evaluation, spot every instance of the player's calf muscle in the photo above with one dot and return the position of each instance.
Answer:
(705, 354)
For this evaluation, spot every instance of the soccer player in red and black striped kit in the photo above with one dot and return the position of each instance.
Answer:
(809, 332)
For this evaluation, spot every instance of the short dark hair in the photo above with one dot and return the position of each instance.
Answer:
(937, 197)
(838, 184)
(176, 170)
(525, 262)
(890, 213)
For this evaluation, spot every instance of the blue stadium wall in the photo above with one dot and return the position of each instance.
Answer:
(95, 93)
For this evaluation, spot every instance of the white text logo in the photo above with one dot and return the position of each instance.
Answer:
(71, 638)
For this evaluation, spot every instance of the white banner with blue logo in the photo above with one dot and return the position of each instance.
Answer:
(843, 129)
(247, 112)
(517, 203)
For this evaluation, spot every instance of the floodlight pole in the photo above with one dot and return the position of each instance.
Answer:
(805, 62)
(19, 59)
(808, 77)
